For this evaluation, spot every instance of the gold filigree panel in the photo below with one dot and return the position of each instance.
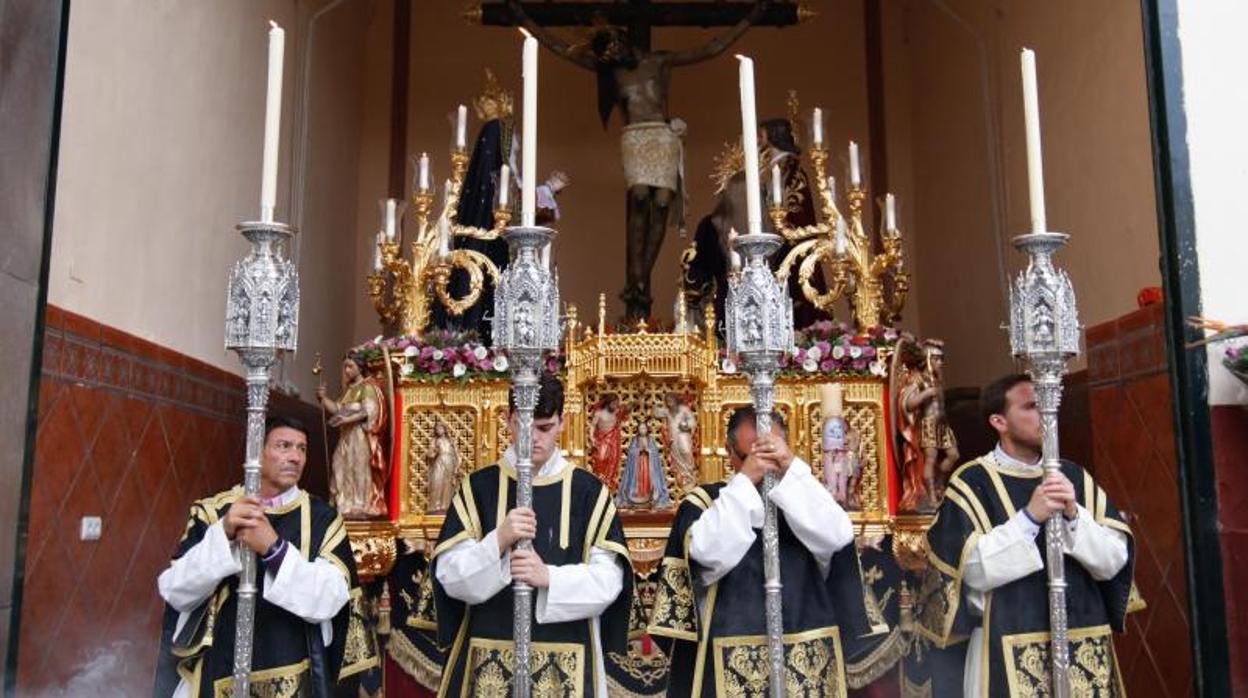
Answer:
(460, 425)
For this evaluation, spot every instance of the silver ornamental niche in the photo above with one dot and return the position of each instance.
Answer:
(525, 326)
(261, 323)
(760, 330)
(1044, 332)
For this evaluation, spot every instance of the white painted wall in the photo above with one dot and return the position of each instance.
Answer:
(1216, 102)
(160, 159)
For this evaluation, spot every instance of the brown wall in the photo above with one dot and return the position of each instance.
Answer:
(1135, 461)
(132, 432)
(960, 166)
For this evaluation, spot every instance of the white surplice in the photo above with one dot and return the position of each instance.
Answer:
(725, 531)
(1008, 552)
(315, 591)
(474, 571)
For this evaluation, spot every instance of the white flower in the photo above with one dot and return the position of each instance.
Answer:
(411, 351)
(459, 370)
(813, 353)
(408, 369)
(810, 365)
(855, 352)
(437, 354)
(500, 363)
(890, 334)
(377, 339)
(838, 352)
(480, 352)
(877, 368)
(729, 366)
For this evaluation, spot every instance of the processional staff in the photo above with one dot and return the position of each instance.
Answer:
(759, 319)
(1044, 332)
(526, 327)
(261, 324)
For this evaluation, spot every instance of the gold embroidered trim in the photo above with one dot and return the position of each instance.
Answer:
(813, 662)
(909, 689)
(1093, 664)
(674, 614)
(1135, 602)
(557, 668)
(878, 662)
(360, 652)
(279, 682)
(423, 613)
(940, 595)
(979, 516)
(424, 670)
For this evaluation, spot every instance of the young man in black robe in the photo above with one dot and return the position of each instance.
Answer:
(709, 608)
(309, 626)
(988, 586)
(578, 565)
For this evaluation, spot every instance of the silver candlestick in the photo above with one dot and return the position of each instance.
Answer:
(526, 327)
(760, 330)
(261, 323)
(1044, 332)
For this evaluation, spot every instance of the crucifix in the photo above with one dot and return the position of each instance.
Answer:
(635, 78)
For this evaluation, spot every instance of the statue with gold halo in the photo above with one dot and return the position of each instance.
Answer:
(442, 463)
(357, 487)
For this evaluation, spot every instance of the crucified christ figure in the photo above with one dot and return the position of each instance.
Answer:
(636, 79)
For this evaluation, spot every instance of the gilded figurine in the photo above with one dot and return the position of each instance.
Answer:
(442, 461)
(680, 431)
(928, 443)
(357, 487)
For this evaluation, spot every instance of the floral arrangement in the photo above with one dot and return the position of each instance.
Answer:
(832, 348)
(442, 355)
(1235, 359)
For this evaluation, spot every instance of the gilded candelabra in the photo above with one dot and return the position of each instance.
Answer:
(876, 282)
(403, 288)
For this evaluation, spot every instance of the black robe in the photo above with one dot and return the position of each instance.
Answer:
(980, 496)
(723, 650)
(574, 514)
(289, 657)
(478, 196)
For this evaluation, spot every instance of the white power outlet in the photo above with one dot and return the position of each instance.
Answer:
(91, 527)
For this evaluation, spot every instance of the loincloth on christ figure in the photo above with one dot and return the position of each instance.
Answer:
(651, 154)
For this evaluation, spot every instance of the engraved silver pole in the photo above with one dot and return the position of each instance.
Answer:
(760, 330)
(1044, 332)
(526, 327)
(261, 323)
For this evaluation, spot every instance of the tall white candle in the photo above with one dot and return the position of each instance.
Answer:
(392, 206)
(855, 173)
(461, 127)
(832, 187)
(749, 144)
(423, 178)
(528, 137)
(842, 236)
(381, 237)
(444, 237)
(504, 186)
(1031, 116)
(272, 123)
(777, 186)
(817, 127)
(890, 213)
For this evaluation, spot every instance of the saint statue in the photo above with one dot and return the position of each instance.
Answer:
(643, 485)
(679, 435)
(636, 79)
(605, 440)
(357, 487)
(925, 431)
(442, 469)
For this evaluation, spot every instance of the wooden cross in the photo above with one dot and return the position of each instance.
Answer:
(640, 16)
